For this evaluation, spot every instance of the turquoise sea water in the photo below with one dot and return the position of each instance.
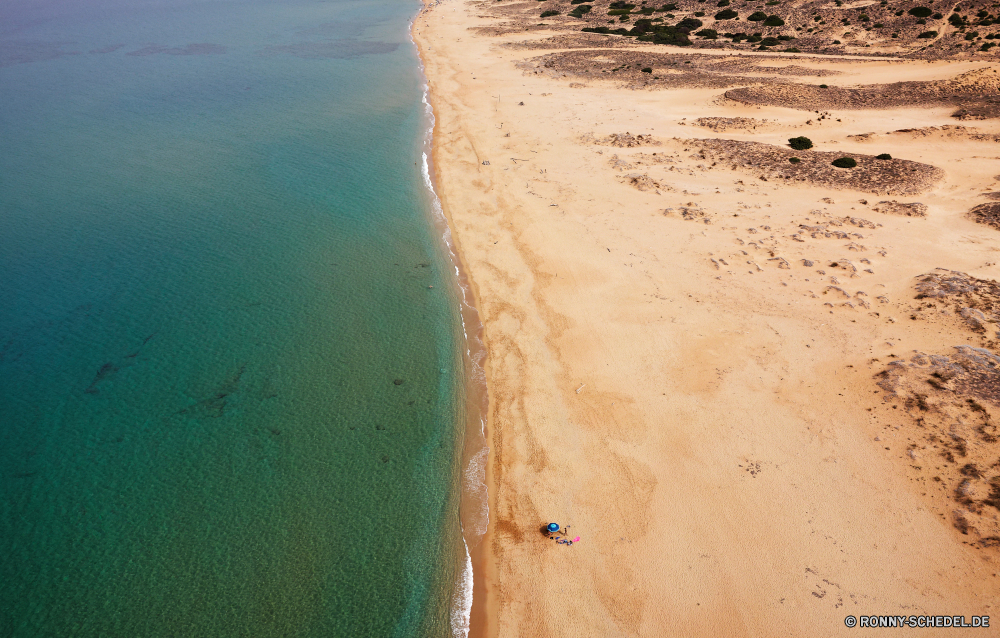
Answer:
(230, 400)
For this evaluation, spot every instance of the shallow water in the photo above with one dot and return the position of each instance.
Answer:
(215, 264)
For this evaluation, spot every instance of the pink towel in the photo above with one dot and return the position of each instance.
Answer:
(576, 540)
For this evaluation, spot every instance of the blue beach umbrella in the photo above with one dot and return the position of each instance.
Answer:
(553, 527)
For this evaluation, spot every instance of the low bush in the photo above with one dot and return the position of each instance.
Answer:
(757, 16)
(646, 69)
(659, 33)
(580, 10)
(883, 156)
(920, 12)
(726, 14)
(619, 12)
(928, 35)
(621, 5)
(800, 143)
(792, 50)
(699, 14)
(668, 7)
(794, 160)
(774, 21)
(845, 162)
(604, 30)
(689, 24)
(823, 86)
(708, 34)
(546, 14)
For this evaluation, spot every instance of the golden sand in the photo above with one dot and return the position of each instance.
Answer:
(684, 347)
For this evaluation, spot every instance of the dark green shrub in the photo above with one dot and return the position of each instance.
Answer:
(883, 156)
(708, 34)
(792, 50)
(774, 21)
(669, 7)
(580, 10)
(699, 14)
(619, 12)
(604, 30)
(845, 162)
(754, 38)
(928, 35)
(726, 14)
(546, 14)
(823, 86)
(937, 16)
(723, 3)
(800, 143)
(689, 24)
(621, 5)
(646, 11)
(920, 12)
(987, 46)
(769, 42)
(757, 16)
(646, 69)
(794, 160)
(972, 36)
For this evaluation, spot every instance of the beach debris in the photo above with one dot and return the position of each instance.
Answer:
(580, 388)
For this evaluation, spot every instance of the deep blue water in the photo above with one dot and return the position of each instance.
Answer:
(230, 400)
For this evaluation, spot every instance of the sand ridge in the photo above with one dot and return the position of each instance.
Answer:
(687, 362)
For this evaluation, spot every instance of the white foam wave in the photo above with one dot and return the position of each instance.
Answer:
(474, 474)
(461, 610)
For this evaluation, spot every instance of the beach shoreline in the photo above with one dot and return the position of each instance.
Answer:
(687, 352)
(473, 472)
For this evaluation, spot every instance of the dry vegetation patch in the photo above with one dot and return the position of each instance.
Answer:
(902, 209)
(975, 93)
(769, 162)
(988, 214)
(722, 124)
(952, 443)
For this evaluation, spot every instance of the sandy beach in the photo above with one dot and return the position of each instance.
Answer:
(739, 378)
